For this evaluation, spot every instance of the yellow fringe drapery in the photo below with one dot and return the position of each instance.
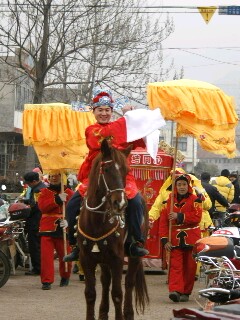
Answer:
(57, 134)
(54, 124)
(199, 109)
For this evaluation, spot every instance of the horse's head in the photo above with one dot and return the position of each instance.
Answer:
(112, 175)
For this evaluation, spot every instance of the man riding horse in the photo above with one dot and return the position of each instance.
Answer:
(129, 128)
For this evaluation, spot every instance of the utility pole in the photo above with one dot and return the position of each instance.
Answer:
(193, 154)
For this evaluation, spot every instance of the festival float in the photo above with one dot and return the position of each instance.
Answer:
(150, 177)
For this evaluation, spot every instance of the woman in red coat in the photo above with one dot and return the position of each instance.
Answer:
(185, 231)
(50, 203)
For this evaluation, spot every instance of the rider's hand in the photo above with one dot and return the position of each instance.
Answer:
(63, 223)
(63, 196)
(127, 108)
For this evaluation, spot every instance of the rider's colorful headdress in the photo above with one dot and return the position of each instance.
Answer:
(102, 97)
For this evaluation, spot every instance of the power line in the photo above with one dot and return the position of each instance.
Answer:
(103, 6)
(197, 48)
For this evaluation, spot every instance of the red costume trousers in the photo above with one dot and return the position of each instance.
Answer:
(48, 244)
(182, 271)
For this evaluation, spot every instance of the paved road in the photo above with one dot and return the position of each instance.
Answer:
(23, 299)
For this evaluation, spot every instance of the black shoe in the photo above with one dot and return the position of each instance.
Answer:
(32, 273)
(46, 286)
(73, 256)
(184, 298)
(137, 250)
(64, 282)
(174, 296)
(81, 277)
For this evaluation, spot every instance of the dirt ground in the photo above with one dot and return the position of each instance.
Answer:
(23, 299)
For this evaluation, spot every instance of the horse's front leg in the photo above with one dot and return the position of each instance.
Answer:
(106, 282)
(117, 294)
(90, 288)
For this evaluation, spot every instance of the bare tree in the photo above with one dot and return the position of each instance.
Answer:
(78, 43)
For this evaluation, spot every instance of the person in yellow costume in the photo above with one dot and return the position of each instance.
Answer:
(164, 192)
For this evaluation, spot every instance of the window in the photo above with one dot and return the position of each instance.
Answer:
(182, 143)
(6, 153)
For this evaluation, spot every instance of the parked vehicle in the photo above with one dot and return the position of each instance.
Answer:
(216, 255)
(223, 280)
(5, 266)
(13, 245)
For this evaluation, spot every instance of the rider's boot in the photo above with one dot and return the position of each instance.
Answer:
(136, 249)
(134, 218)
(73, 256)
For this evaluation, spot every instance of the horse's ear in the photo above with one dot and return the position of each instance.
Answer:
(105, 148)
(127, 151)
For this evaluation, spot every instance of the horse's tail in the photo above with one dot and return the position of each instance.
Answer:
(141, 291)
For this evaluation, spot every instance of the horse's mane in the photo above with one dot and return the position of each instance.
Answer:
(118, 157)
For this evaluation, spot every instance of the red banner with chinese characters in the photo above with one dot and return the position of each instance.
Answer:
(150, 176)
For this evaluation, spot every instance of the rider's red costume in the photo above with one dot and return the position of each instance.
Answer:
(117, 132)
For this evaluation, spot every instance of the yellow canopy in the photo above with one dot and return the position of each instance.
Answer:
(199, 109)
(57, 134)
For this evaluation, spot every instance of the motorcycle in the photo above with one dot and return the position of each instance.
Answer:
(216, 255)
(228, 225)
(13, 245)
(219, 255)
(5, 266)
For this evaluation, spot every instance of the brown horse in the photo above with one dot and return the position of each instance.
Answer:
(101, 239)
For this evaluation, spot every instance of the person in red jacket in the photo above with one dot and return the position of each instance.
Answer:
(50, 203)
(185, 231)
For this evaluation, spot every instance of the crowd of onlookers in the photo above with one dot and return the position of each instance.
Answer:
(46, 226)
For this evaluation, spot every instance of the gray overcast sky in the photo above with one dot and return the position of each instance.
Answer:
(208, 52)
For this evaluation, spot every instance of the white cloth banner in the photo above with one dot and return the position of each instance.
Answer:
(142, 123)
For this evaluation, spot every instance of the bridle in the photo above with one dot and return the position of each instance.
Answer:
(116, 216)
(108, 191)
